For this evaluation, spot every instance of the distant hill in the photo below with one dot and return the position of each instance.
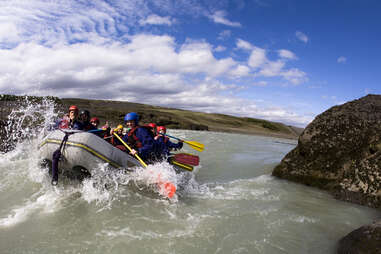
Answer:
(114, 111)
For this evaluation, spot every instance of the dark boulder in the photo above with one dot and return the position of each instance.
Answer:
(340, 151)
(365, 240)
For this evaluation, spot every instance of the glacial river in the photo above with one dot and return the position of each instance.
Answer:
(228, 204)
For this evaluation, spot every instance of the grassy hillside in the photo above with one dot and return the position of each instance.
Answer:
(114, 111)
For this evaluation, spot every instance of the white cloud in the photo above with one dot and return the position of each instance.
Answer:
(282, 115)
(220, 48)
(257, 58)
(219, 18)
(198, 57)
(242, 44)
(224, 35)
(74, 49)
(295, 76)
(265, 67)
(8, 32)
(284, 53)
(342, 59)
(146, 70)
(272, 68)
(40, 66)
(301, 36)
(154, 19)
(52, 22)
(240, 71)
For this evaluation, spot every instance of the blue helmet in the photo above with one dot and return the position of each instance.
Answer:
(132, 117)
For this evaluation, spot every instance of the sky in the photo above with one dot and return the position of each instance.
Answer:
(280, 60)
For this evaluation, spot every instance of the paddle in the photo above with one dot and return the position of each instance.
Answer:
(169, 187)
(95, 130)
(187, 158)
(130, 149)
(181, 165)
(194, 144)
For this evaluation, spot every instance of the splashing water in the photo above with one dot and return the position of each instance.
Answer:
(26, 127)
(28, 121)
(106, 186)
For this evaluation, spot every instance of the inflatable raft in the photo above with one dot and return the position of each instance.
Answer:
(83, 151)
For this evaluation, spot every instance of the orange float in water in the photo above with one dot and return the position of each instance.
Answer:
(166, 188)
(170, 189)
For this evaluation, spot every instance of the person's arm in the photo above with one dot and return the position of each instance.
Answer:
(172, 145)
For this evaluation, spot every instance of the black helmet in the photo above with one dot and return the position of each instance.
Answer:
(85, 112)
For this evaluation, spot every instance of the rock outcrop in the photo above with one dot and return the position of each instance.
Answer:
(340, 151)
(365, 240)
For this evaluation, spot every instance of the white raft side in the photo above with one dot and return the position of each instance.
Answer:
(85, 150)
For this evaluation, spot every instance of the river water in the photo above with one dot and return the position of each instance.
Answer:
(228, 204)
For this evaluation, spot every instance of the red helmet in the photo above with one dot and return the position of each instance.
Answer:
(73, 108)
(94, 120)
(161, 128)
(152, 125)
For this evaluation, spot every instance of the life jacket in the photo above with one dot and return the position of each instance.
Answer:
(76, 125)
(107, 134)
(87, 126)
(133, 140)
(115, 141)
(64, 123)
(165, 139)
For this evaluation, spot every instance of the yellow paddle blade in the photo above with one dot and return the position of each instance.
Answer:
(195, 145)
(181, 165)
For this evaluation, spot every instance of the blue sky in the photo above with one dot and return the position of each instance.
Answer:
(279, 60)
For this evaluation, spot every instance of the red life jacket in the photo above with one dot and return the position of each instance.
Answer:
(115, 141)
(64, 123)
(133, 140)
